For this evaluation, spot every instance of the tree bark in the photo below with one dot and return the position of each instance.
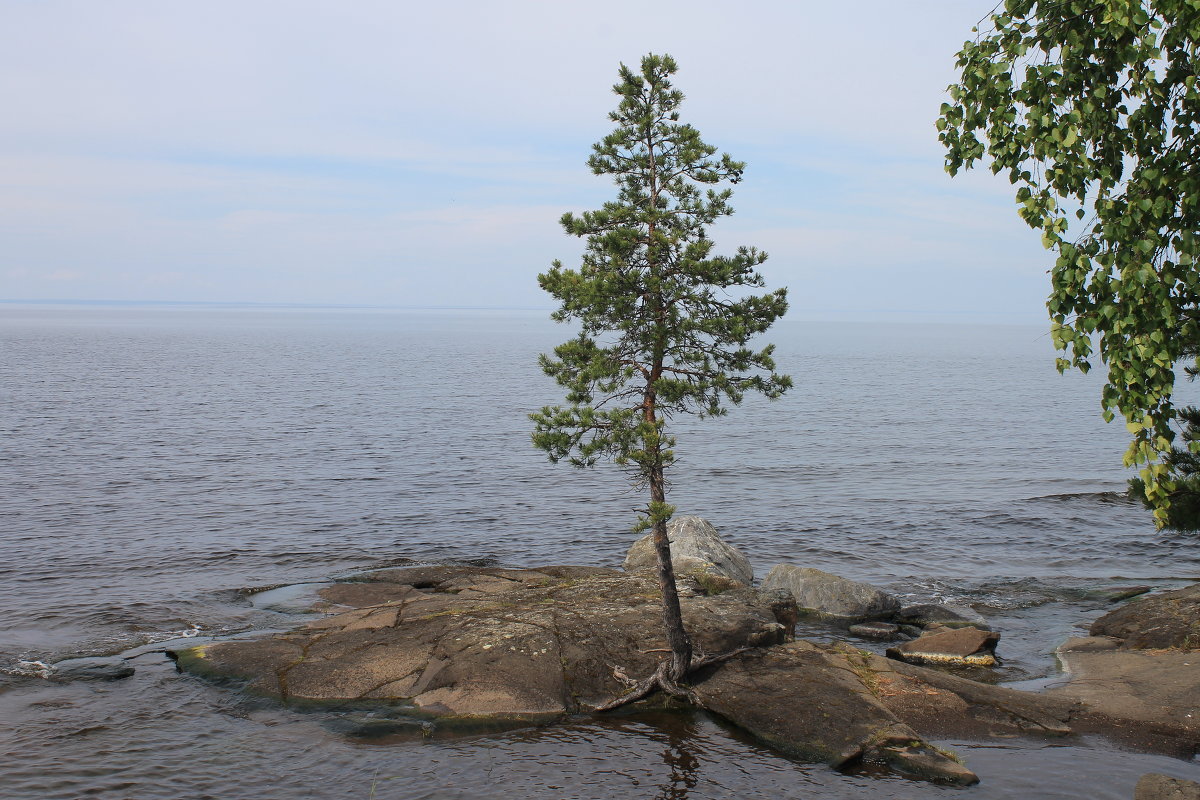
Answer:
(677, 636)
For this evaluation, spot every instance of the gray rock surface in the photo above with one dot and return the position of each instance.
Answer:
(509, 644)
(696, 547)
(820, 704)
(1166, 620)
(965, 646)
(464, 649)
(479, 649)
(830, 596)
(1088, 644)
(1156, 786)
(90, 669)
(942, 613)
(1157, 690)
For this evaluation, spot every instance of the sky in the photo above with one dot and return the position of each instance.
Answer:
(405, 154)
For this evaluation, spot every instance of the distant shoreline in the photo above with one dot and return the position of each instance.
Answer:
(796, 315)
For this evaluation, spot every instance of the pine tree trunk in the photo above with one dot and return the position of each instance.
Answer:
(677, 637)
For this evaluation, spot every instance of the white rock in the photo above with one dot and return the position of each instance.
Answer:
(695, 545)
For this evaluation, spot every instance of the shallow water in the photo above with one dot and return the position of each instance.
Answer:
(156, 460)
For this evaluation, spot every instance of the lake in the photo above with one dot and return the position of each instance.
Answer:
(157, 459)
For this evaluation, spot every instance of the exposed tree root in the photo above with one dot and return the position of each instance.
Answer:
(661, 680)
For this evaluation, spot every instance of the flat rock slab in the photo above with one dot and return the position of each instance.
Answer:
(462, 642)
(1160, 689)
(1089, 644)
(969, 646)
(938, 703)
(813, 703)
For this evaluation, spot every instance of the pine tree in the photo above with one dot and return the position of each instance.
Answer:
(664, 323)
(1183, 469)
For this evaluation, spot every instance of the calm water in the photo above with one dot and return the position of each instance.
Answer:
(155, 460)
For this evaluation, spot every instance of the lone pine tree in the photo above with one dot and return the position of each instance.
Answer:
(664, 324)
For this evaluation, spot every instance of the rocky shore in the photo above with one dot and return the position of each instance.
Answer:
(460, 648)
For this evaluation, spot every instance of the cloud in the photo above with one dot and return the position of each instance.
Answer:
(422, 154)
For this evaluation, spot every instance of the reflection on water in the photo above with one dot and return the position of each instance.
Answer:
(161, 736)
(679, 756)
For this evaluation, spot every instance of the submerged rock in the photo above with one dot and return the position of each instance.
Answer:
(951, 616)
(965, 646)
(696, 547)
(876, 630)
(1166, 620)
(830, 596)
(90, 669)
(1115, 594)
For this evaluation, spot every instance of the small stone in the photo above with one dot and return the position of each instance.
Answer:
(965, 646)
(875, 630)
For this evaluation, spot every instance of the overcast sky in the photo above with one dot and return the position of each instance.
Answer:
(420, 154)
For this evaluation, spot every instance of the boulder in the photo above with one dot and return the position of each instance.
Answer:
(964, 646)
(951, 616)
(830, 596)
(1166, 620)
(1156, 786)
(696, 548)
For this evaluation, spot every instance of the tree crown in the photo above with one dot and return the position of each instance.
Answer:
(664, 323)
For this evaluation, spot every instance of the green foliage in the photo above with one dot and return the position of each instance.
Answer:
(1092, 110)
(1183, 468)
(664, 323)
(713, 584)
